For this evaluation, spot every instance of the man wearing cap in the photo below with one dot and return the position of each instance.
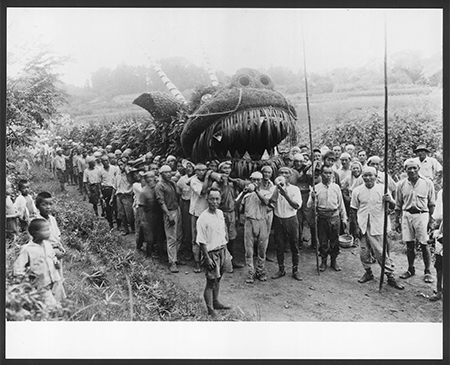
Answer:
(124, 198)
(367, 215)
(108, 176)
(288, 160)
(330, 215)
(254, 206)
(286, 199)
(118, 154)
(302, 178)
(303, 148)
(429, 166)
(294, 150)
(76, 156)
(172, 162)
(199, 184)
(82, 165)
(60, 167)
(267, 185)
(329, 158)
(350, 149)
(317, 154)
(108, 149)
(415, 202)
(91, 180)
(375, 161)
(149, 211)
(167, 196)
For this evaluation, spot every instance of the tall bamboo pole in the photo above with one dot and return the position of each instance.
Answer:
(312, 155)
(385, 241)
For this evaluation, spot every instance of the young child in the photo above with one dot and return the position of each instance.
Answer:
(39, 257)
(44, 203)
(24, 204)
(11, 213)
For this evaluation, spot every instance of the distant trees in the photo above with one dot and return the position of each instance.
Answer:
(32, 99)
(405, 68)
(125, 79)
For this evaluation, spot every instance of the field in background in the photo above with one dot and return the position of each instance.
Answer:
(328, 108)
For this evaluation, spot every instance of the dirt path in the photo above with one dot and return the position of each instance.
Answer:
(332, 296)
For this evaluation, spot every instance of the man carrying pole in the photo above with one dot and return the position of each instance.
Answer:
(366, 212)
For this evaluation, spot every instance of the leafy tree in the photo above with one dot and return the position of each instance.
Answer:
(32, 99)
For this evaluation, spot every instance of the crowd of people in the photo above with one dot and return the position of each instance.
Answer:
(200, 205)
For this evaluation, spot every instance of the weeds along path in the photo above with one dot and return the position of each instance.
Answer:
(107, 279)
(332, 296)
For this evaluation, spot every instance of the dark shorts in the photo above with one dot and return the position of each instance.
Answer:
(220, 258)
(93, 194)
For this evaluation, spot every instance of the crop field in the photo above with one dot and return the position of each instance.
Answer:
(327, 108)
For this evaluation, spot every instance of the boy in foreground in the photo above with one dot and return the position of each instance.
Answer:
(39, 257)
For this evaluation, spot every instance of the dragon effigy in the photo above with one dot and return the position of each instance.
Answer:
(243, 121)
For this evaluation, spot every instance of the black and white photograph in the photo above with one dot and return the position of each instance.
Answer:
(224, 183)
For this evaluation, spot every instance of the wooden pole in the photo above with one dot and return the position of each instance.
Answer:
(312, 156)
(386, 204)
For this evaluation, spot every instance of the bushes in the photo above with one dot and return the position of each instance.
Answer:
(407, 129)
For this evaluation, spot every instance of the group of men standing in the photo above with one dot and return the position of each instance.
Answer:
(200, 205)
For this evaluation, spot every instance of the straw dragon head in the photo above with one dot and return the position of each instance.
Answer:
(243, 121)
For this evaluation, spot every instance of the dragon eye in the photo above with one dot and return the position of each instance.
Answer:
(264, 80)
(244, 80)
(206, 97)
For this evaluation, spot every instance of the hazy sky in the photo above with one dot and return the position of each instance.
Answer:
(232, 38)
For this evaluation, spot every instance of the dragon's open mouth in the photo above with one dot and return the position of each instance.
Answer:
(251, 130)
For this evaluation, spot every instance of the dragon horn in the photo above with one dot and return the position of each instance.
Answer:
(172, 88)
(211, 73)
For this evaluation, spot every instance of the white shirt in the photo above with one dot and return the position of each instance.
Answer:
(429, 167)
(198, 200)
(211, 229)
(282, 207)
(370, 208)
(137, 190)
(23, 206)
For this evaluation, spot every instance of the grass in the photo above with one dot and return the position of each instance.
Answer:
(104, 279)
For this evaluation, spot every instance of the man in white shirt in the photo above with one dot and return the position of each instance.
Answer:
(415, 202)
(199, 185)
(344, 171)
(60, 167)
(429, 166)
(108, 176)
(367, 216)
(287, 199)
(212, 237)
